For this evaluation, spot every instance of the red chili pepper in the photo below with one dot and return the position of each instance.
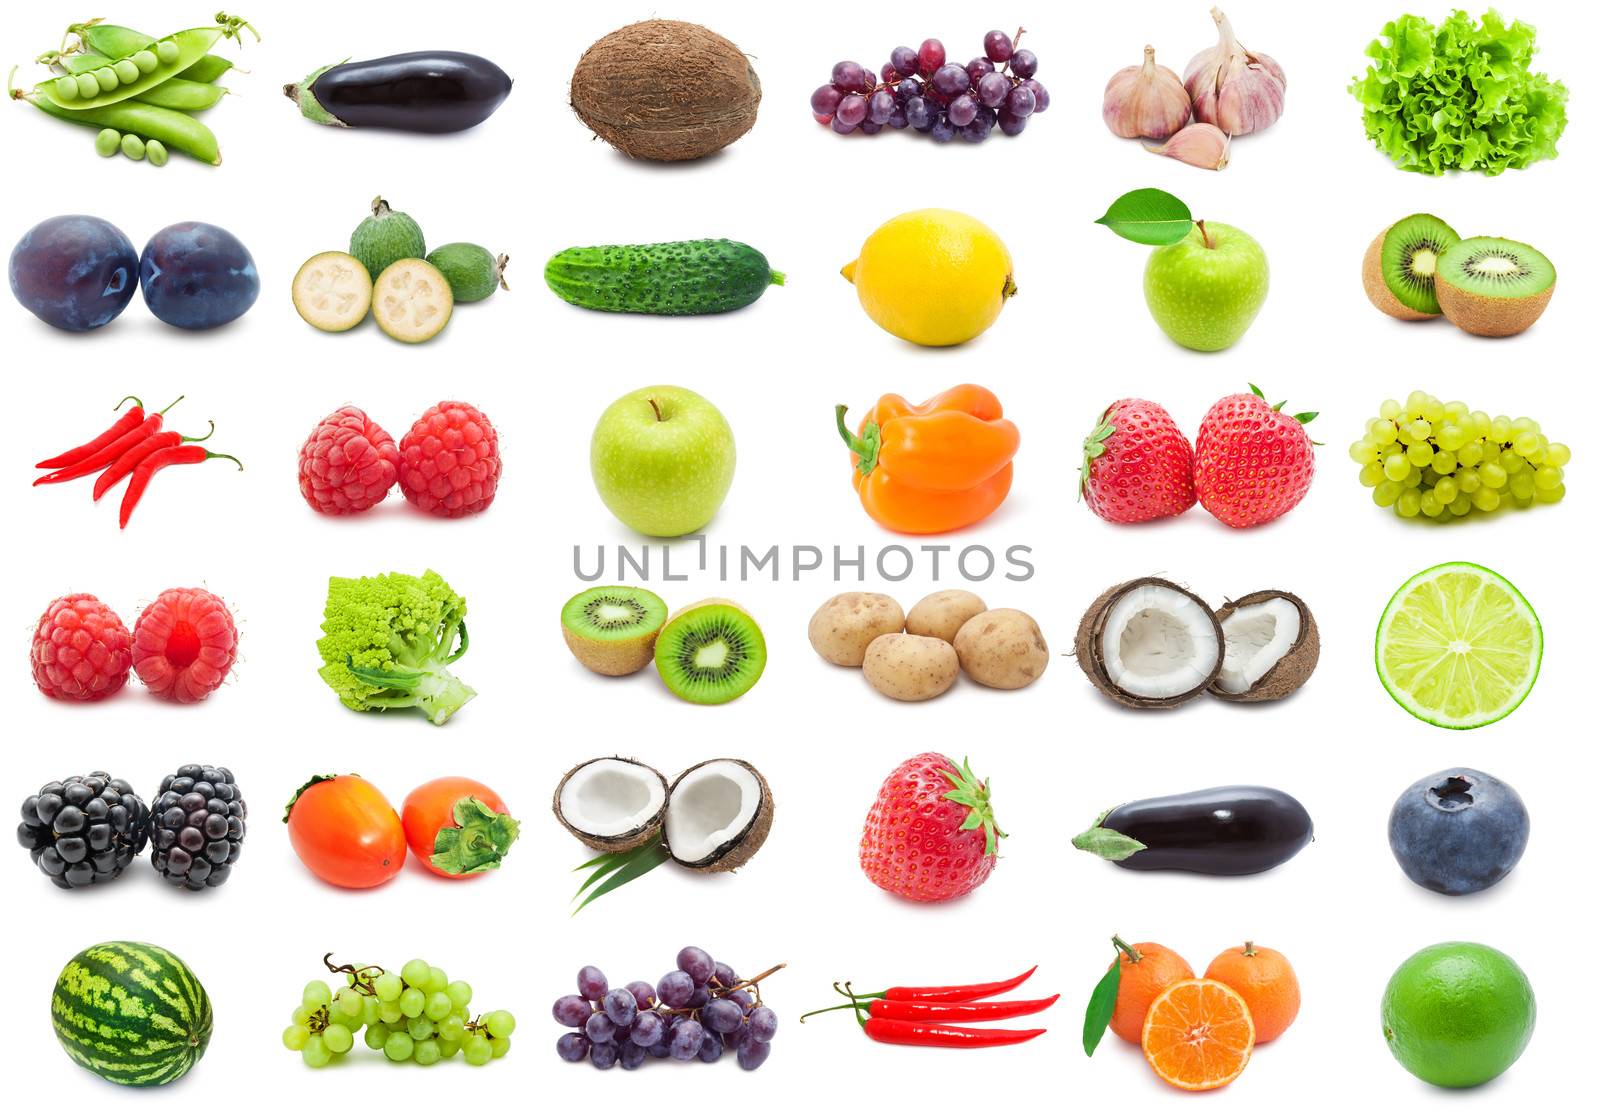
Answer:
(932, 1011)
(126, 422)
(907, 1033)
(949, 993)
(124, 464)
(105, 455)
(172, 455)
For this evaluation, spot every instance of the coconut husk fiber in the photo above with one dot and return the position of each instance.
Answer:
(666, 90)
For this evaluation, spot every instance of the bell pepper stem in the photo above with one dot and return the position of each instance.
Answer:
(865, 447)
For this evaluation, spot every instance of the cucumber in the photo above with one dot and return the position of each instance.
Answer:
(679, 277)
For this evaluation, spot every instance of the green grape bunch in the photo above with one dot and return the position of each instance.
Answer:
(416, 1015)
(1429, 459)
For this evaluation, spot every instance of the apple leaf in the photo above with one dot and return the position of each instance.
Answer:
(1148, 216)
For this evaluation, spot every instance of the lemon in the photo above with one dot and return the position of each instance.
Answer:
(1458, 646)
(932, 276)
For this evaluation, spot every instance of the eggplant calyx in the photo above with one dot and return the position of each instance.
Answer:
(304, 95)
(1105, 843)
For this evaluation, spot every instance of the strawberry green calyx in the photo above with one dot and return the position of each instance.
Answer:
(1094, 446)
(478, 842)
(969, 791)
(1302, 418)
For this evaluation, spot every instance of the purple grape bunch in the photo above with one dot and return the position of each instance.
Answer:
(698, 1012)
(921, 90)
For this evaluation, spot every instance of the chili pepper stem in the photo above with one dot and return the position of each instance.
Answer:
(169, 406)
(137, 402)
(228, 456)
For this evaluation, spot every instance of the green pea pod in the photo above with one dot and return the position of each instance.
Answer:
(192, 45)
(183, 95)
(108, 39)
(208, 69)
(173, 129)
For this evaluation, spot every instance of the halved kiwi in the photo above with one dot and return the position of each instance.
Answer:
(1492, 287)
(612, 629)
(710, 652)
(1399, 267)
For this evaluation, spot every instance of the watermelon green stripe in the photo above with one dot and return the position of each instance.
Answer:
(131, 1012)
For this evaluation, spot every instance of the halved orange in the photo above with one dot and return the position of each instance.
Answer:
(1198, 1035)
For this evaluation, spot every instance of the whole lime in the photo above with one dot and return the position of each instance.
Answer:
(1458, 1014)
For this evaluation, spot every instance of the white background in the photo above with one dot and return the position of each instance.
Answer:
(529, 182)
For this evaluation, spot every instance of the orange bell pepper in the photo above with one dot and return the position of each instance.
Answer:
(939, 466)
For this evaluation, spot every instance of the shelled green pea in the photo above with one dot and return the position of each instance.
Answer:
(108, 142)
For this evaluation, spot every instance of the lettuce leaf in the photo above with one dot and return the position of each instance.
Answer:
(1460, 96)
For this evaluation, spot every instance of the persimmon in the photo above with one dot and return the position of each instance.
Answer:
(345, 831)
(1266, 981)
(1198, 1035)
(1148, 969)
(457, 827)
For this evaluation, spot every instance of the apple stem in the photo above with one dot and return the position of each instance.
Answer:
(1205, 237)
(656, 407)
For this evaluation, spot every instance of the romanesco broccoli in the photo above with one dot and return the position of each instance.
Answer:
(388, 639)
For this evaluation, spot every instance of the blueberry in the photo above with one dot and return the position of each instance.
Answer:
(197, 276)
(1458, 831)
(74, 272)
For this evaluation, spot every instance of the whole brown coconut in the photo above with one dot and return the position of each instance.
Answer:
(1289, 673)
(666, 90)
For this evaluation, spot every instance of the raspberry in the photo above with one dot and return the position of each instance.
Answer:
(184, 644)
(348, 464)
(450, 461)
(80, 650)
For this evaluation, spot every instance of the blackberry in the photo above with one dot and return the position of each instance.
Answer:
(84, 830)
(197, 826)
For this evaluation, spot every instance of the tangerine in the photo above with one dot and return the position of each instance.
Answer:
(1265, 980)
(1148, 969)
(1198, 1035)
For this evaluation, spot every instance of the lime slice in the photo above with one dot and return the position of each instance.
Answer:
(1458, 646)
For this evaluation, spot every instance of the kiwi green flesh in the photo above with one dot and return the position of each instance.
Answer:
(711, 654)
(1493, 268)
(614, 612)
(1411, 251)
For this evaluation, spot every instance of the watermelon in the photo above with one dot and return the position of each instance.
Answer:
(132, 1013)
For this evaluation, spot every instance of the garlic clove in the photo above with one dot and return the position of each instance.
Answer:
(1200, 145)
(1239, 90)
(1145, 100)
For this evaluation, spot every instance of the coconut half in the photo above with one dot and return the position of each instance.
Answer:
(718, 815)
(612, 804)
(1150, 644)
(1270, 647)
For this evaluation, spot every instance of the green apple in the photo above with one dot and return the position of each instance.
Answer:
(662, 459)
(1204, 290)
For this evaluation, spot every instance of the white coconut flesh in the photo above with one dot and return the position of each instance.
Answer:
(611, 798)
(711, 806)
(1255, 638)
(1158, 643)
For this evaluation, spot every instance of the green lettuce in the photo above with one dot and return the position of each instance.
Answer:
(1460, 96)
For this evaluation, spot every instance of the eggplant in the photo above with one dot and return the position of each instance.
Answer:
(424, 91)
(1220, 831)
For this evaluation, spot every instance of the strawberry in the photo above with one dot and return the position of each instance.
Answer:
(1252, 462)
(1137, 465)
(931, 834)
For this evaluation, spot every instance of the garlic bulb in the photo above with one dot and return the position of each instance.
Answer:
(1238, 90)
(1146, 100)
(1199, 144)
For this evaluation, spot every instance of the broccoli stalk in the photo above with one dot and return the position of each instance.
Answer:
(387, 641)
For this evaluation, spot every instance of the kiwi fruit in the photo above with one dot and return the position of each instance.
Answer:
(1492, 287)
(1399, 267)
(612, 629)
(710, 652)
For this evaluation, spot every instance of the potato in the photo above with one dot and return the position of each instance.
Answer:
(843, 627)
(941, 614)
(909, 667)
(1002, 648)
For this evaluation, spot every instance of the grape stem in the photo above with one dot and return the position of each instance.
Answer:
(364, 976)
